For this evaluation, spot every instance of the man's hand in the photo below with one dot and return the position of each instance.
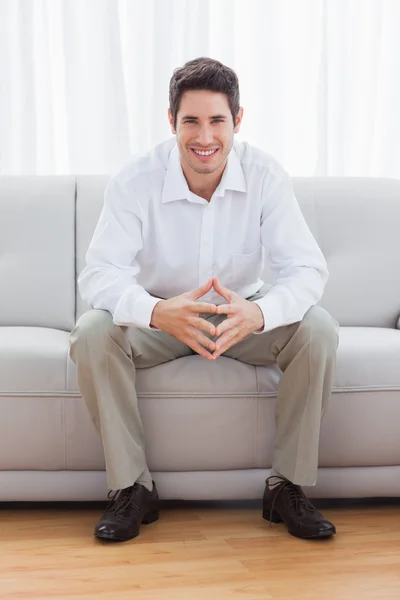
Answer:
(179, 316)
(244, 317)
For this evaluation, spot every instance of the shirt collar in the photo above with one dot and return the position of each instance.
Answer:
(176, 187)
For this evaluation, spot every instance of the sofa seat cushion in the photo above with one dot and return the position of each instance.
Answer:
(34, 360)
(197, 415)
(233, 407)
(368, 359)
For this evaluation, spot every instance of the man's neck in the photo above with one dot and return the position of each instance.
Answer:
(203, 186)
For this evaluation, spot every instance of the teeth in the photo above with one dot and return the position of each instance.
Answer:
(204, 153)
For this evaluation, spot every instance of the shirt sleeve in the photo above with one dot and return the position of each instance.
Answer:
(293, 255)
(109, 279)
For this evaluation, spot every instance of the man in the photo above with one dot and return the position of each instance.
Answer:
(173, 269)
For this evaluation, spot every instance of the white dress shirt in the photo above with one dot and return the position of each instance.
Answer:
(156, 239)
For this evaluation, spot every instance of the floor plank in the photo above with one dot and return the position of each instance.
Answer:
(198, 552)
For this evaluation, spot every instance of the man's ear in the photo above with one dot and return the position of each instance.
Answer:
(171, 121)
(239, 118)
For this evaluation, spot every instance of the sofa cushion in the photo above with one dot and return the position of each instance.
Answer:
(37, 251)
(356, 223)
(34, 369)
(89, 202)
(34, 360)
(233, 408)
(197, 415)
(368, 359)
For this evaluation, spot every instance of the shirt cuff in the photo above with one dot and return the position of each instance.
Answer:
(271, 310)
(142, 312)
(144, 307)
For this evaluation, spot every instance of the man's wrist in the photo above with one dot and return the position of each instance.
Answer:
(260, 325)
(154, 316)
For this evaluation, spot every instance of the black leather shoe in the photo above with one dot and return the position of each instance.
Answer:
(128, 509)
(287, 503)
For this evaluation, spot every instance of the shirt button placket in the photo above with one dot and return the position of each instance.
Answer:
(206, 254)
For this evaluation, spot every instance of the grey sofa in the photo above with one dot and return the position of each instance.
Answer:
(209, 426)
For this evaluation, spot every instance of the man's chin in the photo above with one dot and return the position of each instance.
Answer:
(204, 170)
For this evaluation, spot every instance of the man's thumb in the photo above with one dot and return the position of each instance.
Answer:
(202, 290)
(221, 290)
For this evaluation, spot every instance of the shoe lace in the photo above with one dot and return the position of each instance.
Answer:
(296, 495)
(121, 500)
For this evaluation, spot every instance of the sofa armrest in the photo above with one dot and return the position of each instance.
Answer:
(398, 324)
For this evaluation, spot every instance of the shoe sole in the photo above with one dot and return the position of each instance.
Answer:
(147, 519)
(276, 518)
(318, 536)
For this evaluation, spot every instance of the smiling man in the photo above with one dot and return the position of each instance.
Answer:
(173, 269)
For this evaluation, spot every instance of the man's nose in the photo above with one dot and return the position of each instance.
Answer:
(205, 137)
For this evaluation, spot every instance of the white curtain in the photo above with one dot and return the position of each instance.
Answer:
(84, 83)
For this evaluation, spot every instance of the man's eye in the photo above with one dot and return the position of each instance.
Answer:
(213, 121)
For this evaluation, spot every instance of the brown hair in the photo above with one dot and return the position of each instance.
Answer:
(204, 74)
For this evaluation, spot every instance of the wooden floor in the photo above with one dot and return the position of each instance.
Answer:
(198, 552)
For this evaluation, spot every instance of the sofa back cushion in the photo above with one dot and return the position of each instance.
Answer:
(37, 251)
(90, 196)
(355, 222)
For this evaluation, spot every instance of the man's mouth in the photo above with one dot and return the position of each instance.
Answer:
(204, 154)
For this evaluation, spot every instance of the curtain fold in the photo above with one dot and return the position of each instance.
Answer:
(84, 83)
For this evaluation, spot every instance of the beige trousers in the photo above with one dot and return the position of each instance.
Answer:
(107, 356)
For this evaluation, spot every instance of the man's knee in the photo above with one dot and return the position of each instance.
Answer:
(322, 327)
(93, 326)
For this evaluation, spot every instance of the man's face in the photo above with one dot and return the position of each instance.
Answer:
(204, 125)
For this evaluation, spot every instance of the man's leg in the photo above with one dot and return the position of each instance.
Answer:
(106, 357)
(306, 354)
